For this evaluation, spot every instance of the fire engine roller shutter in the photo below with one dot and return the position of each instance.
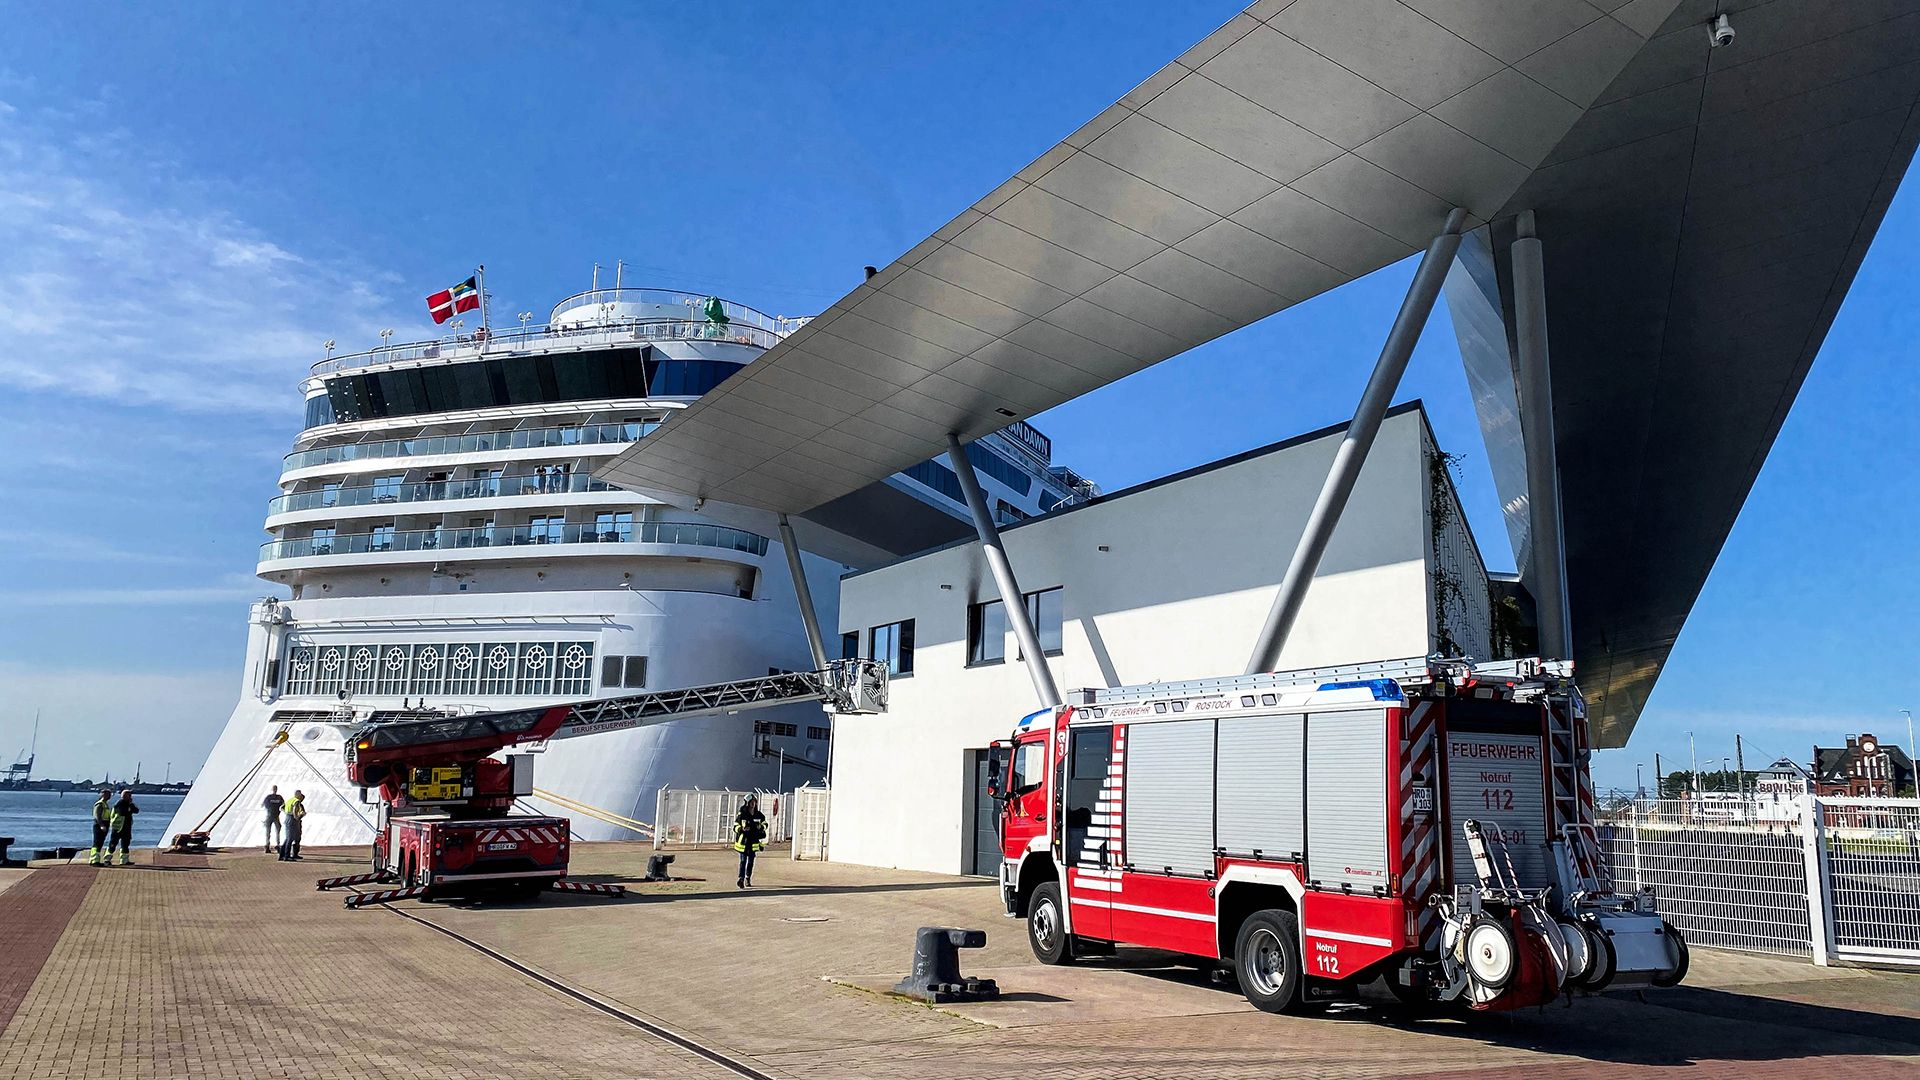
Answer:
(1262, 790)
(1485, 770)
(1168, 819)
(1347, 799)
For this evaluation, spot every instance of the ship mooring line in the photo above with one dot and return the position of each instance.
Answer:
(667, 1035)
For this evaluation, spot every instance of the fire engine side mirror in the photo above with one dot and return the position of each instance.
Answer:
(997, 757)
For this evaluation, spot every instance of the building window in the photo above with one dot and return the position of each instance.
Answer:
(322, 542)
(892, 644)
(1044, 608)
(818, 734)
(382, 537)
(614, 528)
(629, 672)
(986, 633)
(850, 645)
(546, 530)
(636, 672)
(987, 627)
(768, 727)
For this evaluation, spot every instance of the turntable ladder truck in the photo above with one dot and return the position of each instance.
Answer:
(1424, 821)
(446, 793)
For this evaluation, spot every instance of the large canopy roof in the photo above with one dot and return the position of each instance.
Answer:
(1703, 211)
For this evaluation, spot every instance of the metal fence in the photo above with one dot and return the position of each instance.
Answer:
(1826, 878)
(810, 822)
(692, 816)
(1871, 848)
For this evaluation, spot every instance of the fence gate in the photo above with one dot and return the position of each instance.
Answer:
(1871, 849)
(685, 816)
(1729, 880)
(810, 822)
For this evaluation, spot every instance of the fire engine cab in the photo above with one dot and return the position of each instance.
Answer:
(1424, 821)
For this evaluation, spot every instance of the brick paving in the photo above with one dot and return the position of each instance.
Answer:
(32, 918)
(234, 967)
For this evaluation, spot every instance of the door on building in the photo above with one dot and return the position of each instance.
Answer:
(982, 856)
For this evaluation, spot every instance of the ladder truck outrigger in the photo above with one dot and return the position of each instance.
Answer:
(1428, 822)
(447, 793)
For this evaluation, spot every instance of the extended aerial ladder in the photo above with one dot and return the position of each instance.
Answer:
(446, 822)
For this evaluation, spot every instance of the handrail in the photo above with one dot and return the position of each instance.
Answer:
(479, 487)
(471, 442)
(530, 338)
(497, 536)
(738, 313)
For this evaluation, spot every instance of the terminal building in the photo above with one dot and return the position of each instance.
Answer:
(1166, 581)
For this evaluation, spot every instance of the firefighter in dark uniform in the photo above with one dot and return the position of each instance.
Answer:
(749, 836)
(102, 824)
(121, 834)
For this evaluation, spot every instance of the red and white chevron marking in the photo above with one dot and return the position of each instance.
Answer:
(529, 835)
(594, 887)
(1420, 832)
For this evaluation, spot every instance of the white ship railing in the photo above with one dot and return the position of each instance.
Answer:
(536, 339)
(435, 491)
(507, 536)
(472, 443)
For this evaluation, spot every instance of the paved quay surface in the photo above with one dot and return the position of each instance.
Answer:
(233, 966)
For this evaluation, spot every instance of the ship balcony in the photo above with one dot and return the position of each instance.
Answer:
(388, 495)
(619, 537)
(476, 442)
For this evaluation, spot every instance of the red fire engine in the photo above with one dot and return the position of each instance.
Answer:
(446, 821)
(1426, 822)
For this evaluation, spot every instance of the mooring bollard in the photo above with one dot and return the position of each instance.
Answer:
(657, 867)
(936, 967)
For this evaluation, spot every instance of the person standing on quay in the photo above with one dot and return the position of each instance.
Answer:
(272, 804)
(102, 825)
(296, 813)
(749, 836)
(121, 835)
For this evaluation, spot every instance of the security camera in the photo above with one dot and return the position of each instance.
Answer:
(1721, 31)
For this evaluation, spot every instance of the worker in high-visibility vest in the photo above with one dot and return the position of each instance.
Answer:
(749, 836)
(120, 835)
(296, 815)
(102, 825)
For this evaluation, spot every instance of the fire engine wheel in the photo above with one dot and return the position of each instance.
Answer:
(1677, 948)
(1047, 926)
(1490, 953)
(1266, 959)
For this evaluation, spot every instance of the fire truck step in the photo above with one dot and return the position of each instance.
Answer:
(593, 887)
(326, 883)
(385, 896)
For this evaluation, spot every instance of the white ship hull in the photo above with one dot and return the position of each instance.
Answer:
(690, 638)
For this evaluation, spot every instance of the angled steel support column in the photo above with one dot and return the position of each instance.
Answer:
(1546, 545)
(1003, 579)
(1352, 453)
(802, 592)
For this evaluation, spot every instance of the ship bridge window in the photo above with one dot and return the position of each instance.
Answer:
(319, 411)
(688, 378)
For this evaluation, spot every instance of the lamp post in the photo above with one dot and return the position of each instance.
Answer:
(1639, 788)
(1911, 758)
(386, 337)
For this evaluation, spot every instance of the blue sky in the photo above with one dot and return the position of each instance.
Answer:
(193, 198)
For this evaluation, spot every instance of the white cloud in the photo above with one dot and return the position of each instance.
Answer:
(115, 287)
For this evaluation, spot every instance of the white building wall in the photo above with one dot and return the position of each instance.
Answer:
(1167, 582)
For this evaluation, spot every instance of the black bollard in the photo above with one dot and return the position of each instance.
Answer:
(657, 867)
(936, 967)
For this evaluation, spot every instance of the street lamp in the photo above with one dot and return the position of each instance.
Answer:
(1639, 788)
(1911, 757)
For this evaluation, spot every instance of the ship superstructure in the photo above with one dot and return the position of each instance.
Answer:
(445, 543)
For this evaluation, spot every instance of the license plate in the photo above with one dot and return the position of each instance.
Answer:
(1423, 800)
(505, 846)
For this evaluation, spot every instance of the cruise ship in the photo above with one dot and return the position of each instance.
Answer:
(443, 541)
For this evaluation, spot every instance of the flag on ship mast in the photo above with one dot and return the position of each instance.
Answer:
(462, 297)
